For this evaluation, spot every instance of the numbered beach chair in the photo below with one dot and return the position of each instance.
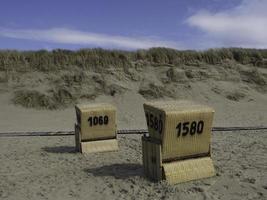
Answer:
(177, 148)
(95, 130)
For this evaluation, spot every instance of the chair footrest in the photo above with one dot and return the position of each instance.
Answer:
(99, 146)
(187, 170)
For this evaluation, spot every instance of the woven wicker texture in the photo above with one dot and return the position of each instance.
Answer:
(187, 170)
(99, 146)
(173, 113)
(96, 121)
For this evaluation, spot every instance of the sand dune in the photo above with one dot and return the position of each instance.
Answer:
(44, 101)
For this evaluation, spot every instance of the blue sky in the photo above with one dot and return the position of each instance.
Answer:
(132, 24)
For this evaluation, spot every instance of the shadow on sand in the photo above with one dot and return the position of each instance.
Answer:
(60, 149)
(119, 171)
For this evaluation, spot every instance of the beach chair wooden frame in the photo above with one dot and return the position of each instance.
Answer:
(167, 156)
(95, 130)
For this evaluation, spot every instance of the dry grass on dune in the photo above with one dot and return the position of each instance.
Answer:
(49, 91)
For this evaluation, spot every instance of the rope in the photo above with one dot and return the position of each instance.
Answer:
(121, 132)
(214, 129)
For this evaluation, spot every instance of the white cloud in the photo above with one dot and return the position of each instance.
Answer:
(244, 25)
(69, 36)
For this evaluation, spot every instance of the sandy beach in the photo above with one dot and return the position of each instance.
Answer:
(47, 167)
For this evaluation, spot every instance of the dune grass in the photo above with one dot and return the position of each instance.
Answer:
(43, 60)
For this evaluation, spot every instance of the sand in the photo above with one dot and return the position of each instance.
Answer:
(48, 167)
